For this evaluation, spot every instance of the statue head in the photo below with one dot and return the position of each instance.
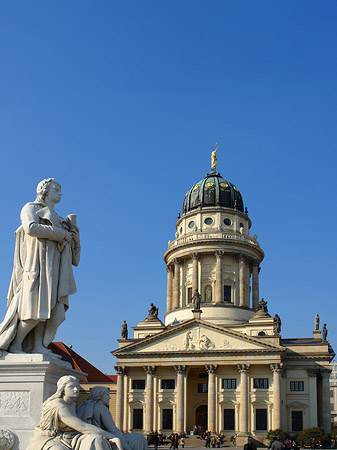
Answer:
(99, 393)
(61, 386)
(62, 383)
(43, 188)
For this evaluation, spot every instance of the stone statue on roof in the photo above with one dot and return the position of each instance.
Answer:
(262, 305)
(153, 312)
(277, 323)
(124, 330)
(196, 300)
(317, 322)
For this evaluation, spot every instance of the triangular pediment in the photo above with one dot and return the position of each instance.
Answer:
(197, 336)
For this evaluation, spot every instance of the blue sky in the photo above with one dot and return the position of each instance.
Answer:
(122, 102)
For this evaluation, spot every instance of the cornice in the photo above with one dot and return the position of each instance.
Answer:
(197, 353)
(230, 247)
(310, 357)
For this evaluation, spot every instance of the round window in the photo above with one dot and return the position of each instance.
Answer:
(227, 222)
(208, 221)
(191, 224)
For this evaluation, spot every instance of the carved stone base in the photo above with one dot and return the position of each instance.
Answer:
(26, 381)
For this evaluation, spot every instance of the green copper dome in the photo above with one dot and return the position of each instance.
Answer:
(213, 190)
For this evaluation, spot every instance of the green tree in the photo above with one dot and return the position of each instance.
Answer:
(314, 432)
(273, 433)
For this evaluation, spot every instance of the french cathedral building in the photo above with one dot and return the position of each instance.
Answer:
(219, 362)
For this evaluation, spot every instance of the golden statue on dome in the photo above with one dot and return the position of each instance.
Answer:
(214, 160)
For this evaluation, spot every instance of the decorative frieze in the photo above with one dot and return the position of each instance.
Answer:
(14, 403)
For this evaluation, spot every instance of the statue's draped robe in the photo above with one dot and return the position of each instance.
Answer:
(51, 433)
(99, 415)
(42, 274)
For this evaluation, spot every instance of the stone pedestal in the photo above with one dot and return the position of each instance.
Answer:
(26, 381)
(196, 313)
(317, 334)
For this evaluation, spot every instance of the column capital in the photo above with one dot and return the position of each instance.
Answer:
(121, 370)
(312, 373)
(325, 373)
(195, 256)
(276, 367)
(243, 368)
(150, 369)
(169, 268)
(242, 257)
(219, 254)
(176, 261)
(284, 373)
(211, 368)
(180, 369)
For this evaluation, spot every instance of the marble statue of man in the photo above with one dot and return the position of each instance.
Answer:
(46, 248)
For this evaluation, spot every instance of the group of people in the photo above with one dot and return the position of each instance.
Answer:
(291, 444)
(213, 440)
(174, 439)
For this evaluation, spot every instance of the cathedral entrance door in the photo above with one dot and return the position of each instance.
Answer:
(201, 418)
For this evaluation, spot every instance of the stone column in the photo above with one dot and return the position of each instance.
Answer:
(195, 283)
(211, 369)
(326, 406)
(121, 371)
(277, 370)
(255, 284)
(169, 287)
(149, 370)
(241, 280)
(312, 373)
(176, 283)
(180, 396)
(244, 405)
(218, 274)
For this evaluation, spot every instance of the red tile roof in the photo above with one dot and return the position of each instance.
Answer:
(81, 364)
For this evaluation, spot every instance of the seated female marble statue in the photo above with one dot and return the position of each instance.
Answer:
(96, 411)
(61, 429)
